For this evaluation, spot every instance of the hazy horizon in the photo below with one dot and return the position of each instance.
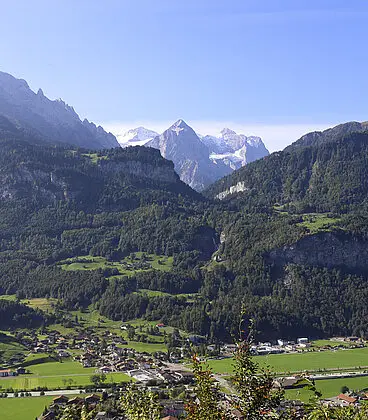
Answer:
(275, 137)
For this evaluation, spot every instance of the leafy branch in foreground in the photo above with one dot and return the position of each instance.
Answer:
(257, 398)
(206, 405)
(140, 404)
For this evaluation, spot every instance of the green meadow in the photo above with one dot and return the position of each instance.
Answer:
(45, 372)
(300, 362)
(27, 408)
(328, 388)
(128, 266)
(29, 382)
(9, 346)
(317, 222)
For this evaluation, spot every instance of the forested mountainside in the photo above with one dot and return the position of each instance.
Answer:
(328, 176)
(331, 134)
(102, 228)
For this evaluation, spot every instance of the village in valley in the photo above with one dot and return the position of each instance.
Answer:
(91, 360)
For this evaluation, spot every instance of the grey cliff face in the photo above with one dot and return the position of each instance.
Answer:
(51, 186)
(164, 173)
(329, 249)
(53, 121)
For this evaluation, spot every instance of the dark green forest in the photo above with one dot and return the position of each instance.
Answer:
(253, 248)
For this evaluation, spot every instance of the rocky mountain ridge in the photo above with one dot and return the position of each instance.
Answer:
(51, 121)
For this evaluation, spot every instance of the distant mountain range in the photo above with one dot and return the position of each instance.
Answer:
(49, 121)
(199, 160)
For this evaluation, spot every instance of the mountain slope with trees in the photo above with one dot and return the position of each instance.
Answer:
(291, 247)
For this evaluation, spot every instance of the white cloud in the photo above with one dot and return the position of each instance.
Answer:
(275, 136)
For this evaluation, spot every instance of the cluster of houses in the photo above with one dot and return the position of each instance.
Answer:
(171, 409)
(302, 344)
(59, 404)
(12, 372)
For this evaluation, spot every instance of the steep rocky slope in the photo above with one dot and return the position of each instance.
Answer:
(51, 121)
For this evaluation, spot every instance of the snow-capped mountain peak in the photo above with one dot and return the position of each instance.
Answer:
(136, 137)
(199, 160)
(235, 150)
(179, 126)
(226, 132)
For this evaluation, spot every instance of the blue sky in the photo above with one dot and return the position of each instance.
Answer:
(274, 68)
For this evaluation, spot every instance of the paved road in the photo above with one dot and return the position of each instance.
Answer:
(55, 393)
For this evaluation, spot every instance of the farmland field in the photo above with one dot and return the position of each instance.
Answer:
(27, 408)
(329, 388)
(45, 304)
(56, 375)
(28, 382)
(316, 222)
(308, 361)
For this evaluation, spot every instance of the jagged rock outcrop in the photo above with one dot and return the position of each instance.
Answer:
(239, 187)
(51, 121)
(160, 173)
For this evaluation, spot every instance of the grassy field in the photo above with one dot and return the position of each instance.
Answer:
(23, 408)
(331, 343)
(8, 297)
(28, 382)
(316, 222)
(147, 347)
(94, 157)
(9, 346)
(329, 388)
(308, 361)
(45, 304)
(127, 266)
(54, 374)
(189, 297)
(57, 368)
